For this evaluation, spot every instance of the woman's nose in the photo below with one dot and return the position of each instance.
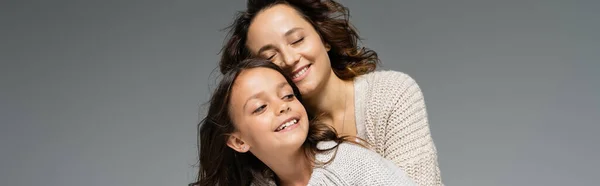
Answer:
(290, 57)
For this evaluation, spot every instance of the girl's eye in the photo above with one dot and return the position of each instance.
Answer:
(289, 96)
(298, 41)
(259, 109)
(271, 57)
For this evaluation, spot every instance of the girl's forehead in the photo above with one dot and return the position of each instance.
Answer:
(260, 77)
(255, 81)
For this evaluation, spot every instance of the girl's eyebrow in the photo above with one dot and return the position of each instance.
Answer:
(281, 85)
(259, 94)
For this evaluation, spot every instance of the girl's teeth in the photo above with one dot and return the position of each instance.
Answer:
(287, 124)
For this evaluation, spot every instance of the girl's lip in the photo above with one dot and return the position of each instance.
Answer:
(285, 121)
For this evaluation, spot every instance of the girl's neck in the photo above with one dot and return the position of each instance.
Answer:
(293, 170)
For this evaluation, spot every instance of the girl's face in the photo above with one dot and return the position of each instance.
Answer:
(270, 121)
(281, 34)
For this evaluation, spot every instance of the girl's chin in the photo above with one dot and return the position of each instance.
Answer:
(294, 141)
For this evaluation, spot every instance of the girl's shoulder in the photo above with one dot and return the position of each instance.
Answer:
(345, 153)
(352, 164)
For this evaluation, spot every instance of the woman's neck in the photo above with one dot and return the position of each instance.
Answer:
(334, 104)
(292, 170)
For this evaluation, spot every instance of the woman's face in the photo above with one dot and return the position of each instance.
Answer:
(268, 117)
(281, 34)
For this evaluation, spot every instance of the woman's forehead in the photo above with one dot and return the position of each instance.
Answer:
(274, 23)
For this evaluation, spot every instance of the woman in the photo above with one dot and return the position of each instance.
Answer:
(313, 41)
(257, 132)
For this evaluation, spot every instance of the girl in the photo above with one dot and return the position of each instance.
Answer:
(315, 44)
(257, 132)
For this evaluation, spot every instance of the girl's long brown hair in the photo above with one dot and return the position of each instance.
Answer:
(329, 18)
(221, 165)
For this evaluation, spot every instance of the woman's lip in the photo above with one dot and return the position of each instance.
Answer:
(299, 69)
(301, 77)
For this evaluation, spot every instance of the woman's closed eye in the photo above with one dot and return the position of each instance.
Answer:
(298, 41)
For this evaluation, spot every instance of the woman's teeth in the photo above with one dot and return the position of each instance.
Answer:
(297, 75)
(287, 124)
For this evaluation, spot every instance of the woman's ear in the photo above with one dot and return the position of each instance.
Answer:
(327, 47)
(236, 143)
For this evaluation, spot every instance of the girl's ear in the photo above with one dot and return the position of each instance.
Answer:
(236, 143)
(327, 47)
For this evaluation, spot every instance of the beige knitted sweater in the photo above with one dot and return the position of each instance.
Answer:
(350, 164)
(390, 115)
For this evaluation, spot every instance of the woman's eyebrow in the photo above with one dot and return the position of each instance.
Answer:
(271, 46)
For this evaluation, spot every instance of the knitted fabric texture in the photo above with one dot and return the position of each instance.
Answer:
(350, 164)
(354, 165)
(391, 116)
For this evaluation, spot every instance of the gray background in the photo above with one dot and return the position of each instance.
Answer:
(108, 92)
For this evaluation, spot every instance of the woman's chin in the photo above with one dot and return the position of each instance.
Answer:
(307, 89)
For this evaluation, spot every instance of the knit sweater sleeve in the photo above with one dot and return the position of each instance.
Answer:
(396, 122)
(354, 165)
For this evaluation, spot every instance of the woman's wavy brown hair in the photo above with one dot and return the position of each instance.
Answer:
(329, 18)
(221, 165)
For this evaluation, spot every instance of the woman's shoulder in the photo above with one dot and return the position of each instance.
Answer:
(385, 89)
(382, 74)
(385, 79)
(377, 95)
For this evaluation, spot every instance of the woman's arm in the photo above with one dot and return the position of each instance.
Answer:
(407, 139)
